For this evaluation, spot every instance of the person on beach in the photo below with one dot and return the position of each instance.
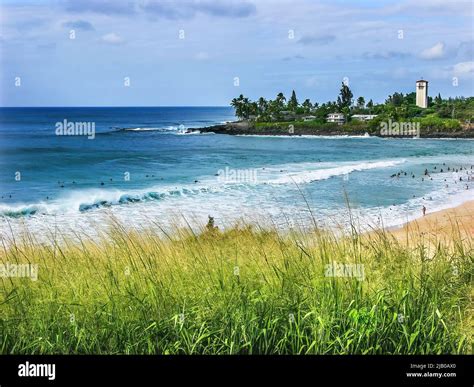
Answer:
(424, 210)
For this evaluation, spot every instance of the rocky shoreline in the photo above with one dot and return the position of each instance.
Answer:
(245, 128)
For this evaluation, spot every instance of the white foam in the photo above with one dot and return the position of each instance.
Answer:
(398, 215)
(231, 201)
(143, 129)
(323, 174)
(307, 136)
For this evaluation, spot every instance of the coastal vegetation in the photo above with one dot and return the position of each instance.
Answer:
(443, 115)
(245, 290)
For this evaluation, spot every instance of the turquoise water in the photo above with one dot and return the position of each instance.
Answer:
(141, 165)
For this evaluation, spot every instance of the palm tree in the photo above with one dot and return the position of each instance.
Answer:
(237, 104)
(246, 107)
(280, 97)
(262, 105)
(243, 107)
(280, 102)
(262, 108)
(307, 105)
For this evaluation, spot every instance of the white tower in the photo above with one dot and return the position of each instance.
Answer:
(422, 93)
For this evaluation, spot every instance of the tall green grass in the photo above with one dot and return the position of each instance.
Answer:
(245, 290)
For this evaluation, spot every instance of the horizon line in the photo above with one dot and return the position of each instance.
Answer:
(114, 106)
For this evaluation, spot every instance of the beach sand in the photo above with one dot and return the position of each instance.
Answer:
(440, 224)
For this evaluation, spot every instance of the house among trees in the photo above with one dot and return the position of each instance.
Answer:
(363, 117)
(288, 115)
(336, 117)
(449, 114)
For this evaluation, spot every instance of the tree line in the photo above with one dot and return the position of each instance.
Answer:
(397, 106)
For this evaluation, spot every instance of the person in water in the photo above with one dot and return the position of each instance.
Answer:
(424, 210)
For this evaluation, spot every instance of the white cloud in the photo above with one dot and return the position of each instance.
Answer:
(435, 52)
(429, 7)
(312, 82)
(112, 38)
(202, 55)
(463, 68)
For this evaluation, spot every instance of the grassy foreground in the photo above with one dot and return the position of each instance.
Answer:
(242, 291)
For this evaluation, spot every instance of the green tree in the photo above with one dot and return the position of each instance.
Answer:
(262, 107)
(237, 104)
(243, 107)
(396, 99)
(361, 102)
(293, 102)
(277, 106)
(307, 105)
(345, 97)
(346, 110)
(246, 107)
(253, 108)
(280, 101)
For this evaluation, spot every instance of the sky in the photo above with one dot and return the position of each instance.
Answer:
(206, 52)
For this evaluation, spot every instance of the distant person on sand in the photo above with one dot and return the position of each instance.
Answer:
(424, 210)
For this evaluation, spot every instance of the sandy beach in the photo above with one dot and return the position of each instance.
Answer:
(440, 224)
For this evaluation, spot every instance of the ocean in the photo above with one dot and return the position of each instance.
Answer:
(142, 167)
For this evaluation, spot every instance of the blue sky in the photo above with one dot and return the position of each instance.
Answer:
(189, 52)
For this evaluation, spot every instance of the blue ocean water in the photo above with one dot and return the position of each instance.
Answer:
(141, 163)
